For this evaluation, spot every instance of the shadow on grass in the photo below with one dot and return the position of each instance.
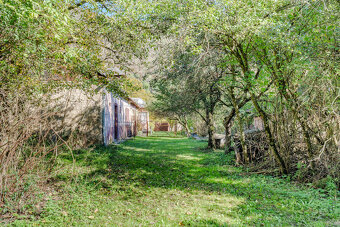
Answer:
(155, 162)
(179, 163)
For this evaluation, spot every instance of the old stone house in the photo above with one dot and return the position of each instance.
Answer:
(98, 118)
(121, 118)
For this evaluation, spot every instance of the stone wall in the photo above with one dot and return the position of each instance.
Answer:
(78, 116)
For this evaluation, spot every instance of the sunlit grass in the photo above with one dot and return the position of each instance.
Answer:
(188, 157)
(162, 181)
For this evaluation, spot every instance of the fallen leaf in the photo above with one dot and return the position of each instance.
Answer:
(91, 217)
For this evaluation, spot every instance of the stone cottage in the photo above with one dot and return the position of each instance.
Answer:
(121, 118)
(98, 118)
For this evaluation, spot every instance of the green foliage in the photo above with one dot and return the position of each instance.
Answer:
(46, 44)
(282, 54)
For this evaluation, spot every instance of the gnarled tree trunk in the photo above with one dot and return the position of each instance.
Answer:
(240, 126)
(271, 139)
(209, 122)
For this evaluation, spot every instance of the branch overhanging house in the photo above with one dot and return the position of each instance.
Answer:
(122, 118)
(99, 118)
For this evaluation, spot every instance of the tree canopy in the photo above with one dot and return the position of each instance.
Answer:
(216, 65)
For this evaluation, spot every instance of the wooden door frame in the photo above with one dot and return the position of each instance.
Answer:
(116, 131)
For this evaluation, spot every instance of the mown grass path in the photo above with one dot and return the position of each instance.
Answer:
(165, 181)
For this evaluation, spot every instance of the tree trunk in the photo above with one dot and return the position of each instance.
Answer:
(306, 136)
(175, 128)
(271, 140)
(227, 127)
(291, 100)
(227, 143)
(184, 123)
(240, 127)
(238, 152)
(187, 130)
(211, 142)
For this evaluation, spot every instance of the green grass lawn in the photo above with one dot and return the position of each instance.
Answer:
(172, 181)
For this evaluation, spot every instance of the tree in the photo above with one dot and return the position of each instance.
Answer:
(172, 102)
(263, 43)
(46, 46)
(194, 82)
